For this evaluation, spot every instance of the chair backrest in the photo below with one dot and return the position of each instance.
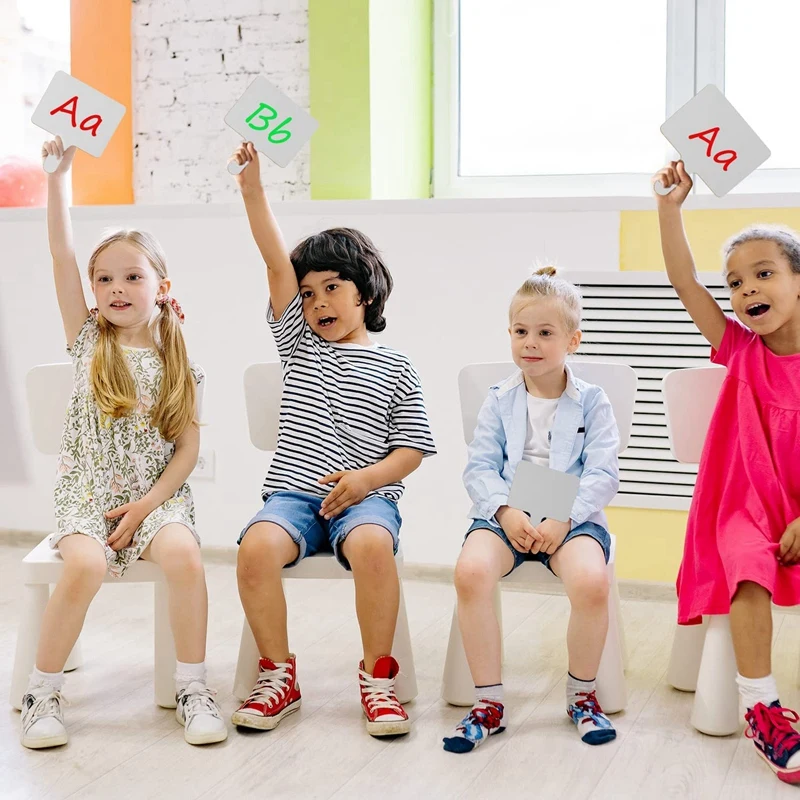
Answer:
(618, 381)
(263, 386)
(690, 396)
(49, 388)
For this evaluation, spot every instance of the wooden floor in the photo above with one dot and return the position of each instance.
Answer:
(123, 746)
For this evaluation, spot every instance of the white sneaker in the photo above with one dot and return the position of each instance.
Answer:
(42, 718)
(199, 713)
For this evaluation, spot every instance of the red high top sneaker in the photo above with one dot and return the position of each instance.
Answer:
(385, 716)
(275, 695)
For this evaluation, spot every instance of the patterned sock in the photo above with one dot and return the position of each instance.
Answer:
(493, 692)
(189, 673)
(54, 679)
(757, 690)
(594, 727)
(484, 719)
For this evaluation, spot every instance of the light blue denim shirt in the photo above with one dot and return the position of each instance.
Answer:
(584, 442)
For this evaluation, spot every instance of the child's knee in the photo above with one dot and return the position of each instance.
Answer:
(590, 589)
(265, 549)
(180, 559)
(474, 578)
(85, 572)
(369, 547)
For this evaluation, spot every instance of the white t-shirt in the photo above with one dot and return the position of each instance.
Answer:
(541, 414)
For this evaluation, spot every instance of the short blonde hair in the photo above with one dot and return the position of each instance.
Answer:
(543, 284)
(111, 380)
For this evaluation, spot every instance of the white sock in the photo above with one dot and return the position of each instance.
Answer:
(574, 686)
(189, 673)
(494, 693)
(757, 690)
(54, 679)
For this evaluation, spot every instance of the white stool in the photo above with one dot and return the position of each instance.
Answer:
(43, 566)
(458, 688)
(324, 565)
(703, 661)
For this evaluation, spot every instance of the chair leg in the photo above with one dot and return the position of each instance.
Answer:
(716, 701)
(34, 602)
(612, 691)
(687, 652)
(247, 665)
(164, 648)
(623, 643)
(75, 659)
(406, 683)
(458, 688)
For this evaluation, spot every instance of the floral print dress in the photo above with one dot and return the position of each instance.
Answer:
(106, 462)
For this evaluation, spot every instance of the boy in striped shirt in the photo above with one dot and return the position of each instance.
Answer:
(352, 426)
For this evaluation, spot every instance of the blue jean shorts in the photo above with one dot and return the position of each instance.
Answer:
(597, 532)
(298, 514)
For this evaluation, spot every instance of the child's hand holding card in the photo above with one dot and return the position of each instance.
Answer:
(81, 116)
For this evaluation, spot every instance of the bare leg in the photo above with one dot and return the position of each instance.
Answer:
(581, 565)
(176, 551)
(265, 550)
(751, 630)
(484, 559)
(369, 550)
(85, 567)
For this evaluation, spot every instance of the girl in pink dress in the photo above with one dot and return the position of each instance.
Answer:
(743, 535)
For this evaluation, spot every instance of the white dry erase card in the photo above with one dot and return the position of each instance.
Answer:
(77, 113)
(714, 141)
(543, 493)
(266, 117)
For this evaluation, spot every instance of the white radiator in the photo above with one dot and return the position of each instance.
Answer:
(636, 318)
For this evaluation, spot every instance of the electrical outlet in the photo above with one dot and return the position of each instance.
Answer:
(205, 466)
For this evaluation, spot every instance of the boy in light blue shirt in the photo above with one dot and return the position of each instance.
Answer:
(545, 415)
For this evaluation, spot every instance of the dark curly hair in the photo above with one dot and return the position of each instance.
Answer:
(353, 255)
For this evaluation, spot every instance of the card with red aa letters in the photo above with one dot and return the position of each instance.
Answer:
(77, 113)
(714, 141)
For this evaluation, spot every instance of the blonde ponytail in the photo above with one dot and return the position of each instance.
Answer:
(175, 409)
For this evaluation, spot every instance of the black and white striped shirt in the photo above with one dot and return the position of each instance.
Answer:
(344, 407)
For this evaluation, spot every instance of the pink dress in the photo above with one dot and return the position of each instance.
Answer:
(748, 485)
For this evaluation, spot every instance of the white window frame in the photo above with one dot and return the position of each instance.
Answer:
(695, 58)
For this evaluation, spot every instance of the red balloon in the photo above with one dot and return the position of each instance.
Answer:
(22, 182)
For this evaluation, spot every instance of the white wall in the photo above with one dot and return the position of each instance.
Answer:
(455, 265)
(191, 62)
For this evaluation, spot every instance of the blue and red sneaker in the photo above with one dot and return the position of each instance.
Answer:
(484, 719)
(776, 741)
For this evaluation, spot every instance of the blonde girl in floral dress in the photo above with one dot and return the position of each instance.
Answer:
(130, 441)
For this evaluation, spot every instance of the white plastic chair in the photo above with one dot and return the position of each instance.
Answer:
(49, 387)
(619, 383)
(263, 385)
(702, 658)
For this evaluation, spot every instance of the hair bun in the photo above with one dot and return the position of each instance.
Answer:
(549, 271)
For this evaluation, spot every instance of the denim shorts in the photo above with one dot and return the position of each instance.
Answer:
(298, 514)
(597, 532)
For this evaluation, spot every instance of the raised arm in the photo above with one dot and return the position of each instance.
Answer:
(264, 227)
(698, 301)
(69, 290)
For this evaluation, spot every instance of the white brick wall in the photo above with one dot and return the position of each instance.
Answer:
(192, 60)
